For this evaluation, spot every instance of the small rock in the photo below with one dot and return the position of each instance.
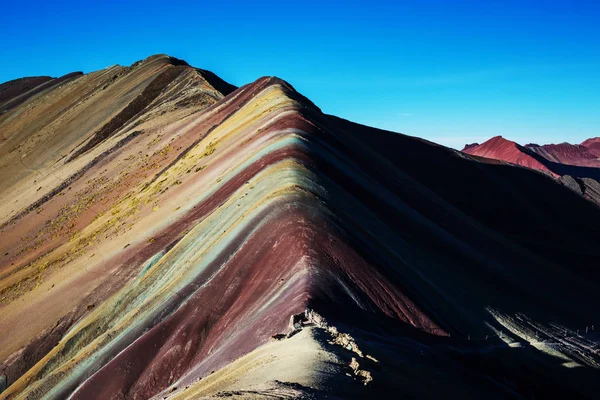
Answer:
(364, 376)
(354, 364)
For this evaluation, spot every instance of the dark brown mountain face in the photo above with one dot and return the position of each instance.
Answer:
(167, 235)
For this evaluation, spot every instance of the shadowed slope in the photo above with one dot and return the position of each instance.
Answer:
(216, 82)
(18, 91)
(191, 244)
(15, 88)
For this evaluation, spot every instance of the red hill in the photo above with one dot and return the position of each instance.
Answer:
(499, 148)
(593, 145)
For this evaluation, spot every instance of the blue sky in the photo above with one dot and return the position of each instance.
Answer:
(449, 71)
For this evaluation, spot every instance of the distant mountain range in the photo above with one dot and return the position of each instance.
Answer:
(167, 235)
(575, 165)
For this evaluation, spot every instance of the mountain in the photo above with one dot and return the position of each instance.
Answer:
(498, 148)
(552, 158)
(575, 166)
(167, 235)
(593, 145)
(565, 153)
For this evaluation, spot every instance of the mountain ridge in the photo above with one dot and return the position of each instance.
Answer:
(575, 166)
(198, 234)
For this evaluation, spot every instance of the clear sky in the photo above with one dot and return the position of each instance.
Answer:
(449, 71)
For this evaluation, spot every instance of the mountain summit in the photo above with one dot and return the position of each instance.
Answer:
(167, 235)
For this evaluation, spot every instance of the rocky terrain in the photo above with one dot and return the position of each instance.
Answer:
(164, 234)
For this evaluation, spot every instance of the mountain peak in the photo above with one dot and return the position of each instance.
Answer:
(470, 146)
(499, 148)
(493, 144)
(160, 58)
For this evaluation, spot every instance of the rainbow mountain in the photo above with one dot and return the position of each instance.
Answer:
(165, 234)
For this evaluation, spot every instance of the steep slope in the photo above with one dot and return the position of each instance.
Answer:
(588, 188)
(183, 241)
